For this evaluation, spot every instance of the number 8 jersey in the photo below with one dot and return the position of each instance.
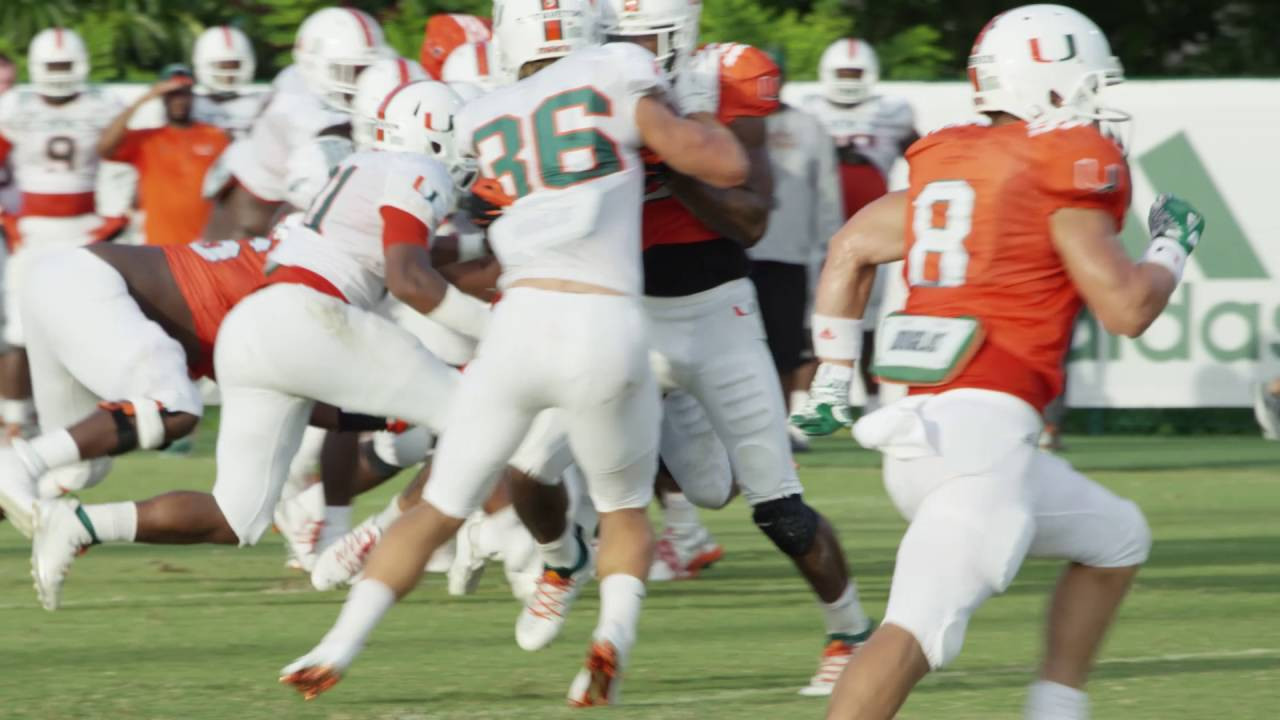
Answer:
(978, 242)
(564, 142)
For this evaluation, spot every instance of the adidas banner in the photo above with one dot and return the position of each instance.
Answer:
(1217, 143)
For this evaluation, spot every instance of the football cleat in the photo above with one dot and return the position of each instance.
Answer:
(468, 560)
(599, 680)
(300, 519)
(834, 658)
(17, 492)
(683, 555)
(318, 670)
(58, 537)
(543, 615)
(344, 559)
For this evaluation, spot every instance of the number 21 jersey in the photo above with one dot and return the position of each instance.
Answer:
(978, 242)
(564, 143)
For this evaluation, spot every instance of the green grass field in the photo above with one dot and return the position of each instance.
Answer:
(149, 632)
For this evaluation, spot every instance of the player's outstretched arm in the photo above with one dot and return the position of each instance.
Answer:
(740, 213)
(697, 146)
(874, 236)
(412, 280)
(1125, 296)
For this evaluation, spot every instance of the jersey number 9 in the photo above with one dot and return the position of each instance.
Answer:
(61, 148)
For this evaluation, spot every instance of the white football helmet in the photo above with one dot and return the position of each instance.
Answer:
(848, 71)
(58, 62)
(1044, 62)
(223, 59)
(529, 30)
(333, 47)
(373, 86)
(472, 62)
(418, 118)
(673, 24)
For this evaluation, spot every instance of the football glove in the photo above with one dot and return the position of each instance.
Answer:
(486, 202)
(827, 409)
(1172, 218)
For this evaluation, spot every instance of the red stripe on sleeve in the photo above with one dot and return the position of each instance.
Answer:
(401, 228)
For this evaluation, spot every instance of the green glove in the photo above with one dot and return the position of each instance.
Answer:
(1172, 218)
(827, 409)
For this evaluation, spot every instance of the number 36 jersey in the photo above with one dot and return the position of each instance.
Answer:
(978, 242)
(564, 143)
(54, 148)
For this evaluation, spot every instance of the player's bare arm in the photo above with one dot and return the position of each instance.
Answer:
(872, 237)
(412, 280)
(477, 277)
(740, 212)
(696, 146)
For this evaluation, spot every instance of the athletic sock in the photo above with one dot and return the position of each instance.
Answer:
(45, 452)
(680, 515)
(566, 554)
(337, 522)
(389, 514)
(18, 412)
(620, 599)
(845, 618)
(1052, 701)
(492, 536)
(112, 522)
(368, 601)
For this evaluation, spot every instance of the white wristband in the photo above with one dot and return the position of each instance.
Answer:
(470, 246)
(459, 311)
(1168, 254)
(836, 338)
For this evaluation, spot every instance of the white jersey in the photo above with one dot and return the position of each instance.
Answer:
(341, 235)
(311, 166)
(564, 142)
(289, 120)
(55, 147)
(233, 113)
(878, 128)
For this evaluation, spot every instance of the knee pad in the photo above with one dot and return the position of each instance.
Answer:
(1134, 537)
(145, 430)
(404, 449)
(789, 523)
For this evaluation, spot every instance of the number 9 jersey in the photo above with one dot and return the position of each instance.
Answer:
(978, 242)
(55, 147)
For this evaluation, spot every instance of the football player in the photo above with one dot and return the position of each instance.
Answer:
(309, 335)
(310, 98)
(49, 134)
(708, 339)
(570, 330)
(446, 32)
(1007, 228)
(471, 63)
(224, 64)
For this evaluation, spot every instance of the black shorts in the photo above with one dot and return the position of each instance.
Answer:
(783, 290)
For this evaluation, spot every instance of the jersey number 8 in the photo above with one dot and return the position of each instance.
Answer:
(551, 143)
(941, 220)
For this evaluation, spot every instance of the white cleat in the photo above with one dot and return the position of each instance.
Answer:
(599, 682)
(300, 519)
(683, 555)
(17, 491)
(344, 559)
(1266, 408)
(320, 669)
(58, 538)
(468, 559)
(545, 611)
(834, 657)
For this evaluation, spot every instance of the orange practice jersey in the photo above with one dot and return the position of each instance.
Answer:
(978, 242)
(213, 277)
(171, 163)
(749, 85)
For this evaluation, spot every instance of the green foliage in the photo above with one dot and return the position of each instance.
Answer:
(914, 54)
(798, 37)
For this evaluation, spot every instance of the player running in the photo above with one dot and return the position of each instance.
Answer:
(308, 335)
(1008, 227)
(49, 133)
(708, 339)
(569, 332)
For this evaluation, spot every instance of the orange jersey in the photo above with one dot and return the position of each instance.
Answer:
(171, 163)
(444, 33)
(213, 277)
(978, 242)
(749, 85)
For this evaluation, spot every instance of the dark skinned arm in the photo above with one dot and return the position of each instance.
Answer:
(477, 278)
(739, 213)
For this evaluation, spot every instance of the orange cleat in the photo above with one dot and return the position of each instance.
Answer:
(311, 681)
(598, 681)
